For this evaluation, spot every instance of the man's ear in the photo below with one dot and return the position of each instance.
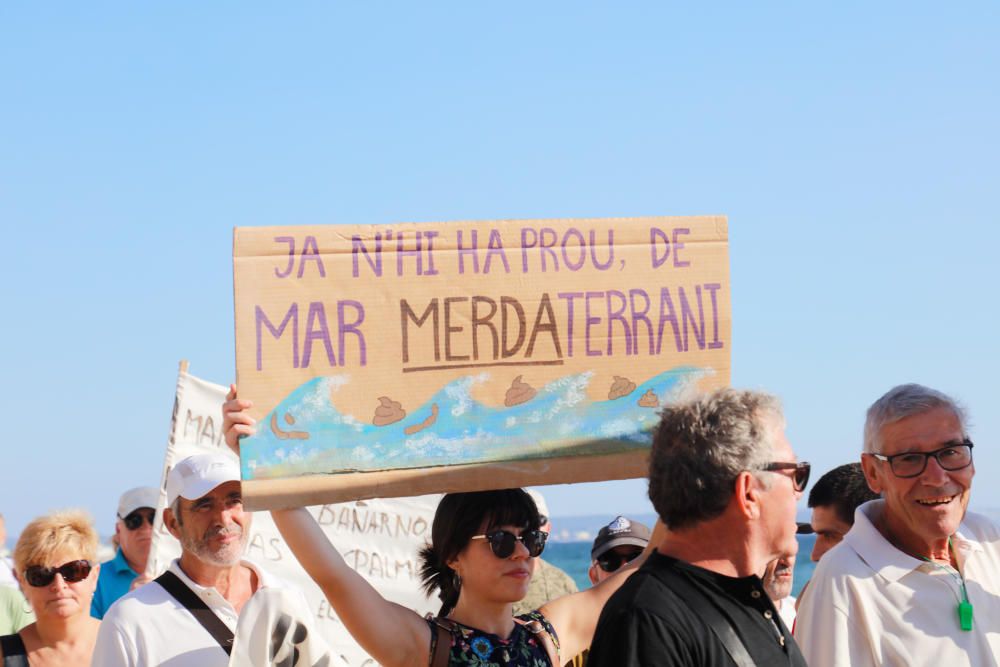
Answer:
(592, 573)
(870, 466)
(170, 521)
(746, 494)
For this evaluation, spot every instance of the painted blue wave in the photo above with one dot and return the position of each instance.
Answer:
(560, 417)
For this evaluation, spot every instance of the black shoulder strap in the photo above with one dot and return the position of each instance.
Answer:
(14, 652)
(712, 617)
(213, 624)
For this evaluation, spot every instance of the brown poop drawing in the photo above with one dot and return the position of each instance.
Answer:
(519, 392)
(285, 435)
(416, 428)
(620, 387)
(389, 412)
(649, 400)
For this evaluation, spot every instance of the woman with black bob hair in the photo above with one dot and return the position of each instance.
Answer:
(480, 561)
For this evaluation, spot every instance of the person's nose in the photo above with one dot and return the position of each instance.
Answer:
(520, 551)
(934, 474)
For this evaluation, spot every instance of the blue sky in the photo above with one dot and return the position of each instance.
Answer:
(852, 146)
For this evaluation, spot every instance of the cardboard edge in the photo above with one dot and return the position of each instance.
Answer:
(278, 494)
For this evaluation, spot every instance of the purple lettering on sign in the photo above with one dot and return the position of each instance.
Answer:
(617, 314)
(473, 250)
(402, 253)
(589, 322)
(687, 316)
(351, 328)
(291, 255)
(316, 329)
(712, 288)
(310, 252)
(656, 236)
(569, 297)
(678, 246)
(358, 246)
(641, 316)
(525, 244)
(495, 247)
(547, 239)
(430, 236)
(581, 247)
(262, 321)
(667, 314)
(611, 250)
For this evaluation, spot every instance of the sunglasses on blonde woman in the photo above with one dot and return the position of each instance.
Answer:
(72, 572)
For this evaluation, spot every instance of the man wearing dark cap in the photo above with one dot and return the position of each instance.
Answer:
(617, 543)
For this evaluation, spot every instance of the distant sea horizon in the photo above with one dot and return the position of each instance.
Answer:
(569, 545)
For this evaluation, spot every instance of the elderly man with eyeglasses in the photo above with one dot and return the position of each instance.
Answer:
(917, 578)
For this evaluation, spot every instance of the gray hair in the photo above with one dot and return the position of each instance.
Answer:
(900, 402)
(175, 507)
(700, 447)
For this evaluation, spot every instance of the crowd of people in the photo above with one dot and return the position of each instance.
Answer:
(905, 574)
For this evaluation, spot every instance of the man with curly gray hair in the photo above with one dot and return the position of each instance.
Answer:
(724, 480)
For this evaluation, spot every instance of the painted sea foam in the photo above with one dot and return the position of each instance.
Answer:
(558, 420)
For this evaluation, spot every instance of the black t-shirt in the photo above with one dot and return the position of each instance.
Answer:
(647, 623)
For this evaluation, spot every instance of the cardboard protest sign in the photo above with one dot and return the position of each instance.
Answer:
(378, 538)
(398, 360)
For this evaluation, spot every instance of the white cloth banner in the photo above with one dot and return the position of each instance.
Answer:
(378, 538)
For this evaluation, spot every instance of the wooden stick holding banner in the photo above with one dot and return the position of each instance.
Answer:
(403, 359)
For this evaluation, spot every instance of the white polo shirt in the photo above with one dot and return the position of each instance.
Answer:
(148, 626)
(869, 603)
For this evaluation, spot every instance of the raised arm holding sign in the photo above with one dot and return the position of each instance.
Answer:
(480, 560)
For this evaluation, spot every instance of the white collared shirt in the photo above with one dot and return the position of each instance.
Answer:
(869, 603)
(149, 626)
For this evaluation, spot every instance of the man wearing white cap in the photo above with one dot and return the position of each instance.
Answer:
(134, 533)
(188, 615)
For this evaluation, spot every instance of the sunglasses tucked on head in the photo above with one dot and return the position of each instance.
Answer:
(134, 520)
(503, 542)
(72, 572)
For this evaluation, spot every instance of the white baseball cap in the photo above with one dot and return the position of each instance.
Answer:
(140, 496)
(539, 499)
(195, 476)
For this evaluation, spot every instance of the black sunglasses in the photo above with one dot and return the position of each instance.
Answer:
(72, 572)
(134, 520)
(611, 561)
(800, 476)
(503, 542)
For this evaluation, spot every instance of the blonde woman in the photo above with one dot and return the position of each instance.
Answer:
(55, 562)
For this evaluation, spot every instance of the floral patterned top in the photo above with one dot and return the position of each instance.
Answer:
(470, 646)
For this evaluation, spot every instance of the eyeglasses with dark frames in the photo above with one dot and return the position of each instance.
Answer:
(800, 474)
(503, 542)
(913, 464)
(72, 572)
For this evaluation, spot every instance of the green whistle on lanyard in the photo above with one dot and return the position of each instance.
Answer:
(965, 615)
